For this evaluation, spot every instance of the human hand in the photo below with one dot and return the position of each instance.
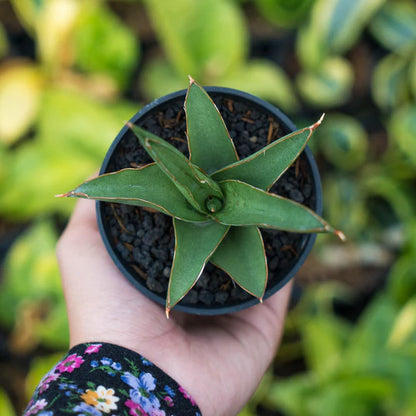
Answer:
(218, 360)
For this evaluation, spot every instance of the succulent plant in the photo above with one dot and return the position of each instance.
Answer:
(217, 202)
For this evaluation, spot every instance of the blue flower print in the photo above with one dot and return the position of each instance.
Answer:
(94, 363)
(169, 391)
(84, 409)
(45, 414)
(141, 388)
(106, 361)
(145, 362)
(116, 366)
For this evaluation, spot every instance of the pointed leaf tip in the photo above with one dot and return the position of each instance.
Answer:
(62, 195)
(340, 235)
(129, 124)
(167, 312)
(318, 123)
(191, 80)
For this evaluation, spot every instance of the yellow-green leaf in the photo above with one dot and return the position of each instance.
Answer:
(20, 94)
(328, 86)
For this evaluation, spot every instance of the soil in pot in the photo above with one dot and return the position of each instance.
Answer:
(144, 239)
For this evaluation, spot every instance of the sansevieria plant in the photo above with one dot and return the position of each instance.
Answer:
(217, 201)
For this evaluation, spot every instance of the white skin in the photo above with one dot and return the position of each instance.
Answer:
(218, 360)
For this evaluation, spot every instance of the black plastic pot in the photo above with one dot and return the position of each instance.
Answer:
(307, 240)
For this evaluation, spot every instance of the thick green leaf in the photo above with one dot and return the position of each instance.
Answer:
(394, 26)
(188, 178)
(263, 168)
(145, 187)
(389, 82)
(246, 205)
(329, 85)
(241, 255)
(264, 79)
(210, 145)
(194, 245)
(343, 140)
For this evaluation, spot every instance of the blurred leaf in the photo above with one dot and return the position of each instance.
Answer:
(105, 45)
(73, 135)
(394, 26)
(404, 328)
(205, 39)
(4, 46)
(412, 75)
(55, 22)
(263, 79)
(329, 86)
(6, 408)
(27, 11)
(398, 195)
(359, 396)
(79, 125)
(20, 94)
(368, 342)
(324, 337)
(284, 13)
(402, 278)
(32, 278)
(310, 48)
(291, 395)
(34, 178)
(335, 26)
(39, 367)
(160, 78)
(402, 130)
(389, 83)
(343, 141)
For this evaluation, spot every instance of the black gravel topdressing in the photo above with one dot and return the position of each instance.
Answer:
(144, 239)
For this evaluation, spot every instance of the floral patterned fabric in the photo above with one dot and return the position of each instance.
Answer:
(99, 379)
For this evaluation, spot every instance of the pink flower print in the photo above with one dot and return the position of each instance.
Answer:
(187, 396)
(168, 401)
(70, 363)
(135, 409)
(92, 348)
(36, 407)
(44, 384)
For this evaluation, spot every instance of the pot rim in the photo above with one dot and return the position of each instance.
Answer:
(308, 239)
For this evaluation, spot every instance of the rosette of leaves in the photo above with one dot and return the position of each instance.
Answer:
(217, 201)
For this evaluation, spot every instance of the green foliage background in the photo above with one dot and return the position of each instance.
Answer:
(89, 65)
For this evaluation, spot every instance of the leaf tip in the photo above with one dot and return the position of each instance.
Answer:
(318, 123)
(191, 80)
(129, 124)
(340, 235)
(167, 312)
(63, 195)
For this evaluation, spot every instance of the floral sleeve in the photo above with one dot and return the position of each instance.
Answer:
(105, 379)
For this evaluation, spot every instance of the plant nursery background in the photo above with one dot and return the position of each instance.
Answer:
(72, 72)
